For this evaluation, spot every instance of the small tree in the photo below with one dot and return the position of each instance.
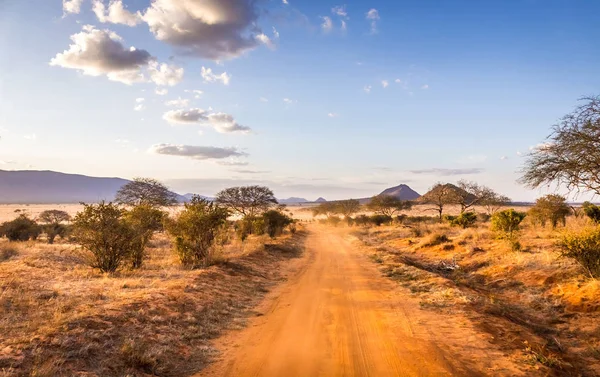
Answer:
(551, 208)
(464, 220)
(507, 224)
(20, 229)
(440, 196)
(471, 194)
(347, 208)
(100, 229)
(583, 247)
(592, 211)
(247, 200)
(326, 209)
(196, 230)
(144, 220)
(53, 221)
(388, 205)
(146, 191)
(494, 203)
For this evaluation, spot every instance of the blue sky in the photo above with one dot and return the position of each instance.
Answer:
(408, 92)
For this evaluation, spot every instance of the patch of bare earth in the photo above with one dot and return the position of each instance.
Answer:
(58, 317)
(539, 309)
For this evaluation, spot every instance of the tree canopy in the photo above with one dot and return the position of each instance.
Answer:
(388, 205)
(53, 216)
(571, 155)
(146, 191)
(247, 200)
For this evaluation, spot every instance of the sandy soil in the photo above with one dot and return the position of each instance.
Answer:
(339, 317)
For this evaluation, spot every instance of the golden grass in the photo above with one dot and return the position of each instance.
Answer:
(59, 317)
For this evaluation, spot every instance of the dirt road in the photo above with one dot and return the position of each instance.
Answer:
(337, 316)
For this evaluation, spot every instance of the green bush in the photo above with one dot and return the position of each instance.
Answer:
(592, 211)
(507, 224)
(54, 224)
(584, 247)
(552, 208)
(195, 231)
(275, 222)
(20, 229)
(144, 220)
(55, 230)
(102, 230)
(379, 220)
(464, 220)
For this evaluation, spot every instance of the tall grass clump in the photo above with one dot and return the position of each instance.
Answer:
(583, 247)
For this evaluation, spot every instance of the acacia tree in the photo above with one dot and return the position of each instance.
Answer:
(53, 221)
(347, 208)
(471, 194)
(326, 209)
(388, 205)
(146, 191)
(247, 200)
(571, 155)
(494, 203)
(440, 196)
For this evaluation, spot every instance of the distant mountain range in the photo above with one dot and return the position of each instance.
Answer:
(45, 187)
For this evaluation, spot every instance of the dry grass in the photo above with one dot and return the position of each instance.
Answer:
(532, 296)
(58, 317)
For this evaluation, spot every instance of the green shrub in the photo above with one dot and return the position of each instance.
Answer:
(275, 222)
(592, 211)
(507, 224)
(584, 247)
(195, 231)
(379, 220)
(54, 224)
(552, 208)
(101, 229)
(144, 220)
(55, 230)
(20, 229)
(464, 220)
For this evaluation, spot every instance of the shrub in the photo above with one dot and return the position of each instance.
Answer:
(55, 230)
(7, 252)
(144, 220)
(584, 247)
(275, 222)
(195, 231)
(464, 220)
(507, 223)
(20, 229)
(436, 239)
(54, 226)
(362, 220)
(101, 229)
(592, 211)
(334, 220)
(379, 220)
(551, 208)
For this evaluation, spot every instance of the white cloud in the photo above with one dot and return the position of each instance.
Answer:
(140, 100)
(398, 81)
(333, 115)
(232, 162)
(541, 147)
(161, 91)
(196, 152)
(115, 13)
(5, 162)
(101, 52)
(344, 26)
(373, 16)
(197, 93)
(367, 89)
(285, 2)
(263, 99)
(327, 24)
(264, 39)
(72, 6)
(289, 101)
(210, 29)
(425, 87)
(139, 107)
(504, 158)
(209, 76)
(275, 33)
(221, 122)
(385, 83)
(179, 102)
(340, 11)
(165, 74)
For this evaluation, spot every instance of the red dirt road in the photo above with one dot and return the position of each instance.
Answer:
(337, 316)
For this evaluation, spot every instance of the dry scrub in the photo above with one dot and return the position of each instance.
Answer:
(59, 317)
(540, 308)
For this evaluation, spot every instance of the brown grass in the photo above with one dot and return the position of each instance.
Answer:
(539, 307)
(58, 317)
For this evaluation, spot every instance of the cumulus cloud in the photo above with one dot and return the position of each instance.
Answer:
(165, 74)
(179, 102)
(332, 115)
(139, 107)
(115, 13)
(340, 11)
(264, 39)
(285, 2)
(221, 122)
(140, 100)
(101, 52)
(210, 29)
(447, 172)
(196, 152)
(367, 89)
(373, 17)
(289, 101)
(197, 93)
(398, 81)
(161, 91)
(327, 24)
(542, 147)
(209, 76)
(385, 83)
(72, 6)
